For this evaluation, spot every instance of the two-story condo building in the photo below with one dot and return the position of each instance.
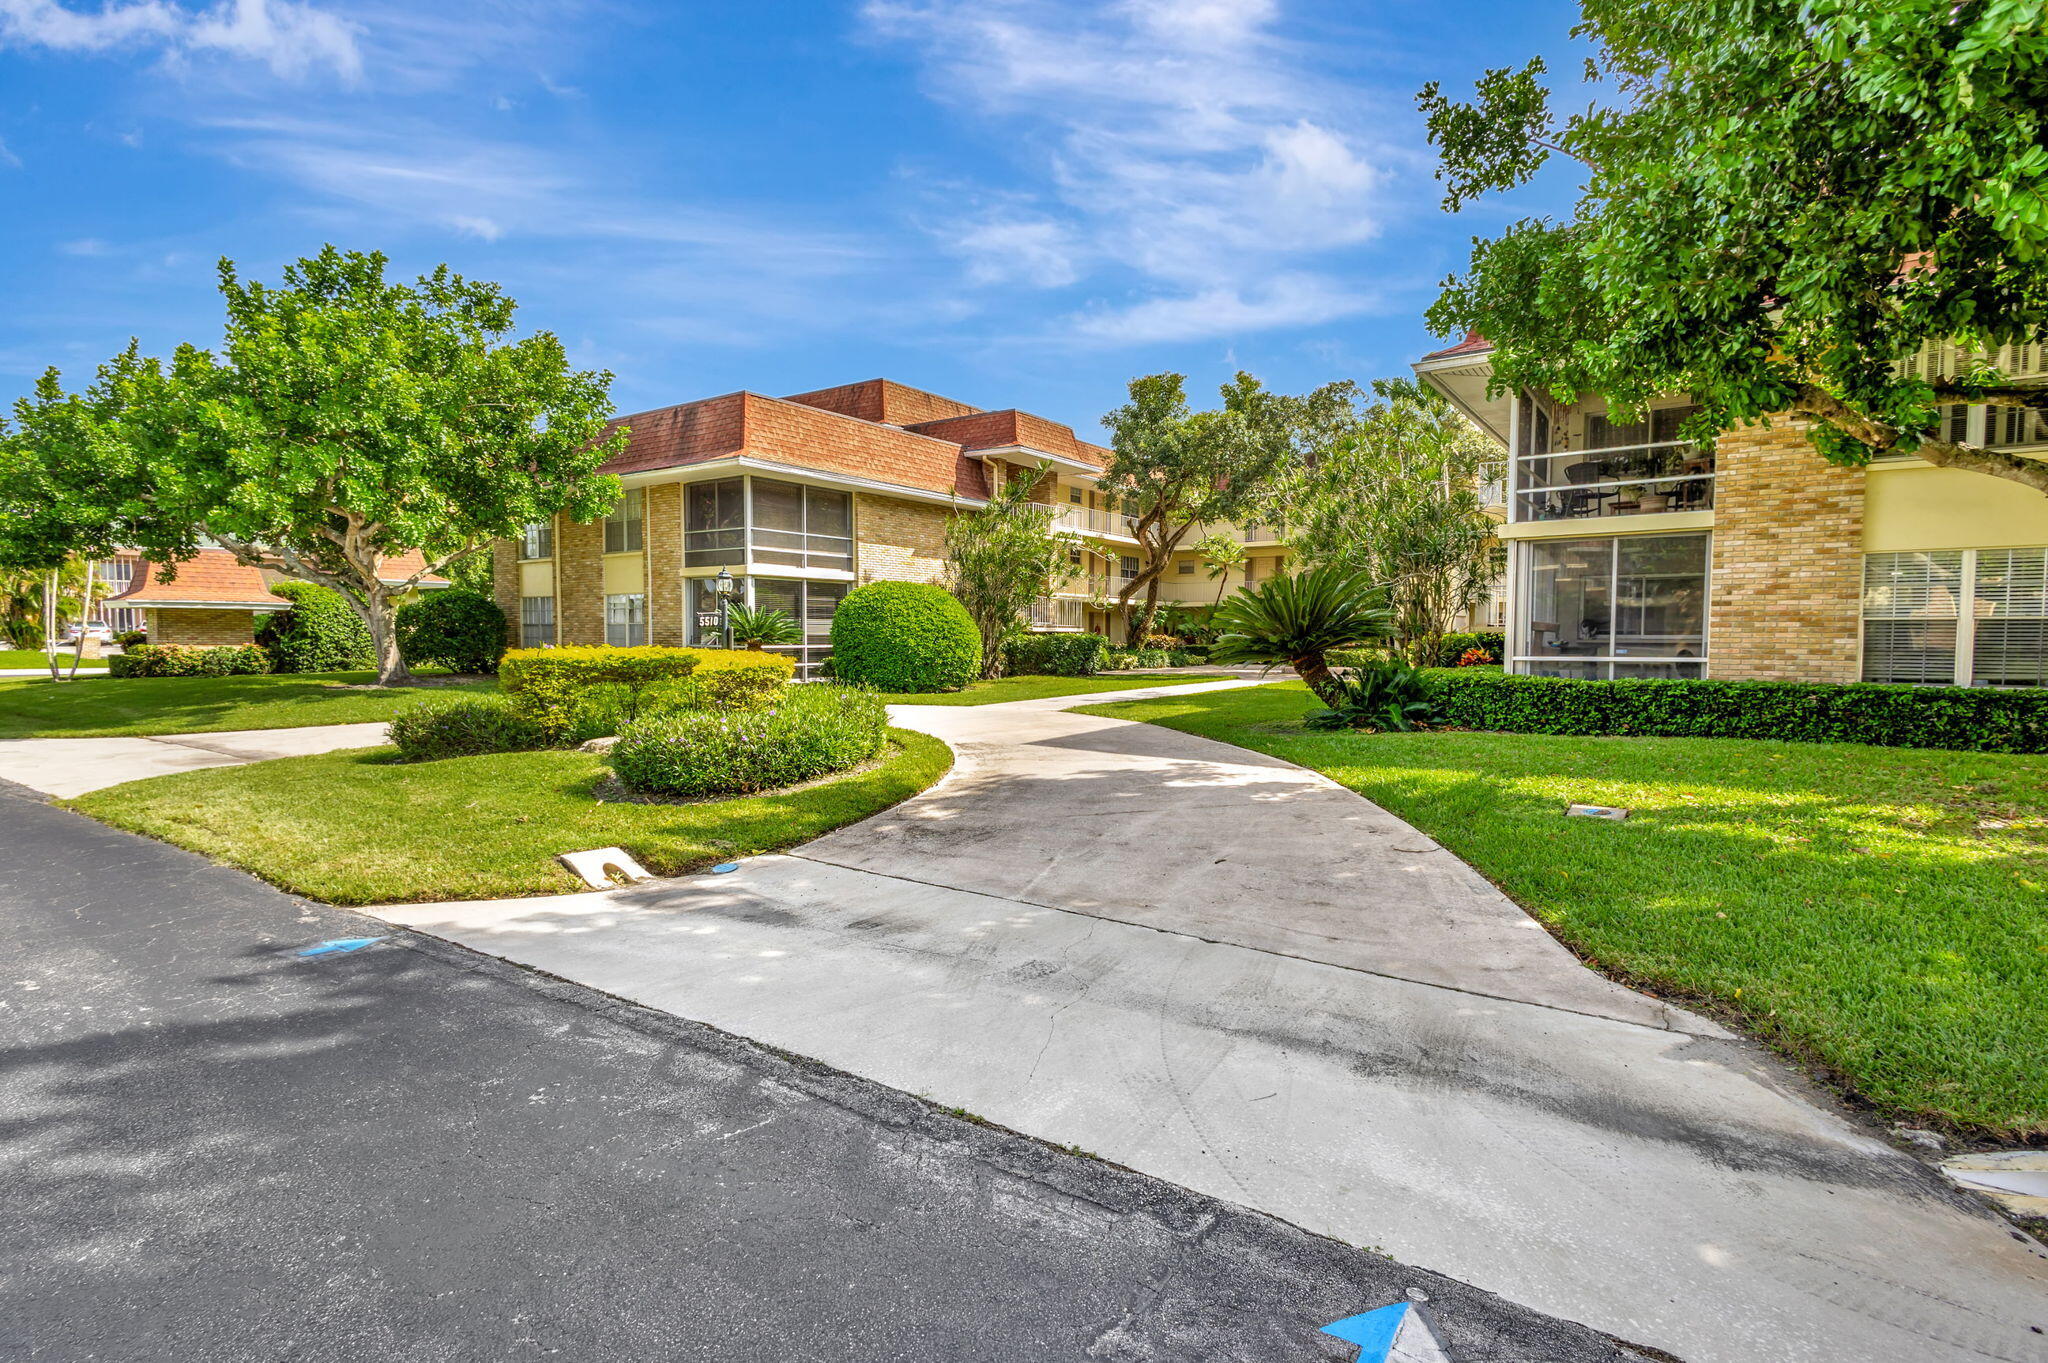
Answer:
(803, 498)
(1632, 553)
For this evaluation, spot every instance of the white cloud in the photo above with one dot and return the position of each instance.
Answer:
(289, 37)
(1223, 310)
(7, 156)
(84, 246)
(1180, 141)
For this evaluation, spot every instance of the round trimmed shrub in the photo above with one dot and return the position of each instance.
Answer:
(905, 636)
(815, 730)
(320, 633)
(463, 726)
(462, 631)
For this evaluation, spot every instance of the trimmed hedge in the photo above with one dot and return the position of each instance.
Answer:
(463, 631)
(904, 636)
(320, 633)
(547, 684)
(1970, 719)
(815, 731)
(188, 660)
(463, 726)
(1054, 655)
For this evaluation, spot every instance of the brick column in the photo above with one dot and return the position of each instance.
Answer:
(505, 586)
(579, 581)
(667, 596)
(1787, 593)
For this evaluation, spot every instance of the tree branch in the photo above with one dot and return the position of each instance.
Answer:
(1947, 454)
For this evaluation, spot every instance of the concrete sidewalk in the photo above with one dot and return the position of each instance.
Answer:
(1230, 973)
(65, 767)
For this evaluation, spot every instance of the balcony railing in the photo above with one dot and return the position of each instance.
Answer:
(1059, 613)
(1627, 480)
(1087, 520)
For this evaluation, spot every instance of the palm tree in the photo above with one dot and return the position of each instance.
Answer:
(762, 627)
(1224, 554)
(1294, 621)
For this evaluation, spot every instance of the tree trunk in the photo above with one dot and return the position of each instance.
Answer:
(84, 618)
(50, 624)
(379, 615)
(1314, 669)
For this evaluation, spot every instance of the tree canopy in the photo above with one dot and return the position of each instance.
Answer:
(346, 420)
(1397, 501)
(1783, 200)
(1173, 468)
(1002, 557)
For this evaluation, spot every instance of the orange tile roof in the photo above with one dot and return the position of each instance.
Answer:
(209, 578)
(883, 400)
(1000, 430)
(1473, 344)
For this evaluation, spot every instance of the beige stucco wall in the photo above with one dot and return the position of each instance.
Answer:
(1911, 505)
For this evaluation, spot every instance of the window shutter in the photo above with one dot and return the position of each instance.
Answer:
(2012, 618)
(1910, 606)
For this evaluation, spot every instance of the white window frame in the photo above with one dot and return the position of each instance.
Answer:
(1518, 610)
(629, 520)
(529, 607)
(1968, 618)
(625, 617)
(537, 541)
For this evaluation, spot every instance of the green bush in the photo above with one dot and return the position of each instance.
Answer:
(462, 631)
(463, 726)
(129, 638)
(1054, 655)
(544, 684)
(905, 636)
(603, 710)
(1186, 657)
(188, 660)
(814, 731)
(320, 633)
(1971, 719)
(1385, 694)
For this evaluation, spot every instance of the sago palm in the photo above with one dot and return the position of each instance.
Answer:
(762, 627)
(1294, 621)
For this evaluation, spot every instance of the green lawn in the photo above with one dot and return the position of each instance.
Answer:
(1037, 688)
(35, 657)
(101, 706)
(1880, 913)
(359, 827)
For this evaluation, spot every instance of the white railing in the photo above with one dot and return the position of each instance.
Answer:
(1087, 520)
(1619, 480)
(1059, 613)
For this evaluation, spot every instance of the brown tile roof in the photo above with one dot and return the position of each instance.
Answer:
(209, 578)
(999, 430)
(213, 578)
(883, 400)
(1473, 344)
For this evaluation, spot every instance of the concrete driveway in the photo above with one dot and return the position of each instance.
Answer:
(65, 767)
(1225, 971)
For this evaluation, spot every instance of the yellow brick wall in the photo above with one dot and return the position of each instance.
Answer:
(1787, 589)
(899, 541)
(201, 627)
(667, 596)
(505, 586)
(579, 581)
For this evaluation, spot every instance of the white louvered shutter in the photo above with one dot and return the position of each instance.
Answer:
(2012, 618)
(1911, 602)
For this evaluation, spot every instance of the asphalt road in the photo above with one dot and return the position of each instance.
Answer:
(217, 1150)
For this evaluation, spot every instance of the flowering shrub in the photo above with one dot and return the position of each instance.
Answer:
(1476, 657)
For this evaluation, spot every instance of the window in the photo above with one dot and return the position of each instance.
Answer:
(1074, 495)
(538, 540)
(536, 620)
(1631, 606)
(1186, 567)
(623, 527)
(795, 526)
(715, 524)
(1126, 567)
(1976, 617)
(625, 620)
(811, 604)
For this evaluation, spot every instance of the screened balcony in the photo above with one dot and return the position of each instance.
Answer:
(731, 522)
(1623, 480)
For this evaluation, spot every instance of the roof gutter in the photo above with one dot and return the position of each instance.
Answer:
(742, 463)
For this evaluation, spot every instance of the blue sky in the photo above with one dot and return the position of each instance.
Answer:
(1013, 202)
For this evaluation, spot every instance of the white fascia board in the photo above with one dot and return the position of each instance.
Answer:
(1025, 452)
(1427, 373)
(198, 605)
(690, 473)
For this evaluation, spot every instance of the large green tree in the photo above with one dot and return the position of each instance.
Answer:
(346, 420)
(1173, 469)
(1781, 201)
(1397, 501)
(1002, 557)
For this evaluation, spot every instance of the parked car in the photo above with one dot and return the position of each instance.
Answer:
(93, 629)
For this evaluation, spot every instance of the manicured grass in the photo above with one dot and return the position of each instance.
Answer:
(1879, 912)
(102, 706)
(35, 657)
(359, 827)
(1037, 688)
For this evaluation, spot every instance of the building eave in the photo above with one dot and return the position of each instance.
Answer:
(729, 464)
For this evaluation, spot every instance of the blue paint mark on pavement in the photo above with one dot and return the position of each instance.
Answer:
(334, 944)
(1379, 1333)
(725, 866)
